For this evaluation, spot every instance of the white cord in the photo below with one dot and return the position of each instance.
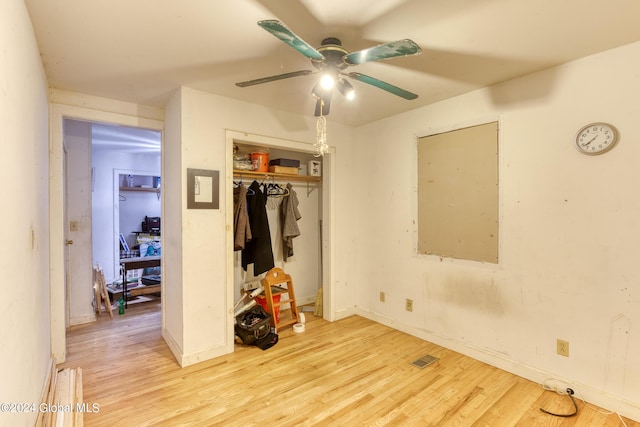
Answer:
(321, 145)
(560, 387)
(595, 408)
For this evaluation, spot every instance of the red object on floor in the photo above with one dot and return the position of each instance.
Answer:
(262, 300)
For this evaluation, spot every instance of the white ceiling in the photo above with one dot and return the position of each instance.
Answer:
(124, 139)
(142, 51)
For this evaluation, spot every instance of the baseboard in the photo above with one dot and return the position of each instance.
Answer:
(201, 356)
(197, 357)
(584, 392)
(83, 319)
(342, 314)
(305, 301)
(173, 346)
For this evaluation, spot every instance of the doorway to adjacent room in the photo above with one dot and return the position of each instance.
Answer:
(112, 190)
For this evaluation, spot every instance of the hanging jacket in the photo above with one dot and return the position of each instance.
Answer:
(290, 215)
(258, 250)
(241, 226)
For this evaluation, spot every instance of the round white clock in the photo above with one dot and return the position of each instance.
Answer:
(596, 138)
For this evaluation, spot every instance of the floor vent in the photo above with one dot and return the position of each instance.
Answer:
(424, 361)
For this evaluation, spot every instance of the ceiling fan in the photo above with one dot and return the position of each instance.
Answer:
(331, 59)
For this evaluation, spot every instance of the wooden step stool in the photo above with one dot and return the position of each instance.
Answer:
(277, 282)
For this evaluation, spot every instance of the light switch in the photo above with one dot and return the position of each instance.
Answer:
(73, 225)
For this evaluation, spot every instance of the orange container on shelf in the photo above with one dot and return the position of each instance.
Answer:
(262, 300)
(260, 160)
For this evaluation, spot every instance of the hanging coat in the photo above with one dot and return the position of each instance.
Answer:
(258, 251)
(241, 226)
(290, 215)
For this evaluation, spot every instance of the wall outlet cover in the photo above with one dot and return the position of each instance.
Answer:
(409, 305)
(562, 347)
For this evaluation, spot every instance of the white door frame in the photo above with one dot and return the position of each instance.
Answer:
(63, 106)
(67, 238)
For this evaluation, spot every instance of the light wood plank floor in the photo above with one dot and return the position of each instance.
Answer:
(348, 373)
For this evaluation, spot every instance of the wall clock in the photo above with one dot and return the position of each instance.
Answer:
(596, 138)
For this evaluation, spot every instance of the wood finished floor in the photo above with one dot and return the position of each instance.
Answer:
(353, 372)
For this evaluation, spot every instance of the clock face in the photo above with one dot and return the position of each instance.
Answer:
(596, 138)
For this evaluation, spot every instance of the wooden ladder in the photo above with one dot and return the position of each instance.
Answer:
(277, 282)
(101, 292)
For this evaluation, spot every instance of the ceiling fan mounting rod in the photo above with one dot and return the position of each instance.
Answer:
(333, 53)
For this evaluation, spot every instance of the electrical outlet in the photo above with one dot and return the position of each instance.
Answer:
(409, 305)
(562, 347)
(382, 296)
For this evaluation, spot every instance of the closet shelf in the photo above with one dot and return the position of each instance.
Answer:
(280, 176)
(148, 190)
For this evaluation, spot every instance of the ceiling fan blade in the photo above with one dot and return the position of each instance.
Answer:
(383, 85)
(323, 103)
(404, 47)
(278, 29)
(274, 78)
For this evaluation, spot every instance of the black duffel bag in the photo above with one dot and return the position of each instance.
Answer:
(253, 325)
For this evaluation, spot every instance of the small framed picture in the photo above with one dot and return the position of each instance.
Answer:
(203, 189)
(315, 168)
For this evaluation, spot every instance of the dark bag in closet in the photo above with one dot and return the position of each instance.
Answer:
(253, 325)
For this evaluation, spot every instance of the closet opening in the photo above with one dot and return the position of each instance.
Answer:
(294, 171)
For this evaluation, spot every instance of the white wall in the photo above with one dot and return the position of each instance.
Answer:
(24, 254)
(172, 189)
(202, 119)
(569, 231)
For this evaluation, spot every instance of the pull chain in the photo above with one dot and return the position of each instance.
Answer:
(321, 145)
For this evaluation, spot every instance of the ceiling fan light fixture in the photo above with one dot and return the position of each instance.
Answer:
(327, 81)
(346, 89)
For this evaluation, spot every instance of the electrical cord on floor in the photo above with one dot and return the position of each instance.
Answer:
(551, 384)
(570, 394)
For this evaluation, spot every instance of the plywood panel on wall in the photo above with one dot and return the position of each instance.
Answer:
(458, 193)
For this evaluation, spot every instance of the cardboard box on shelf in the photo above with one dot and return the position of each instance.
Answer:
(285, 162)
(284, 170)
